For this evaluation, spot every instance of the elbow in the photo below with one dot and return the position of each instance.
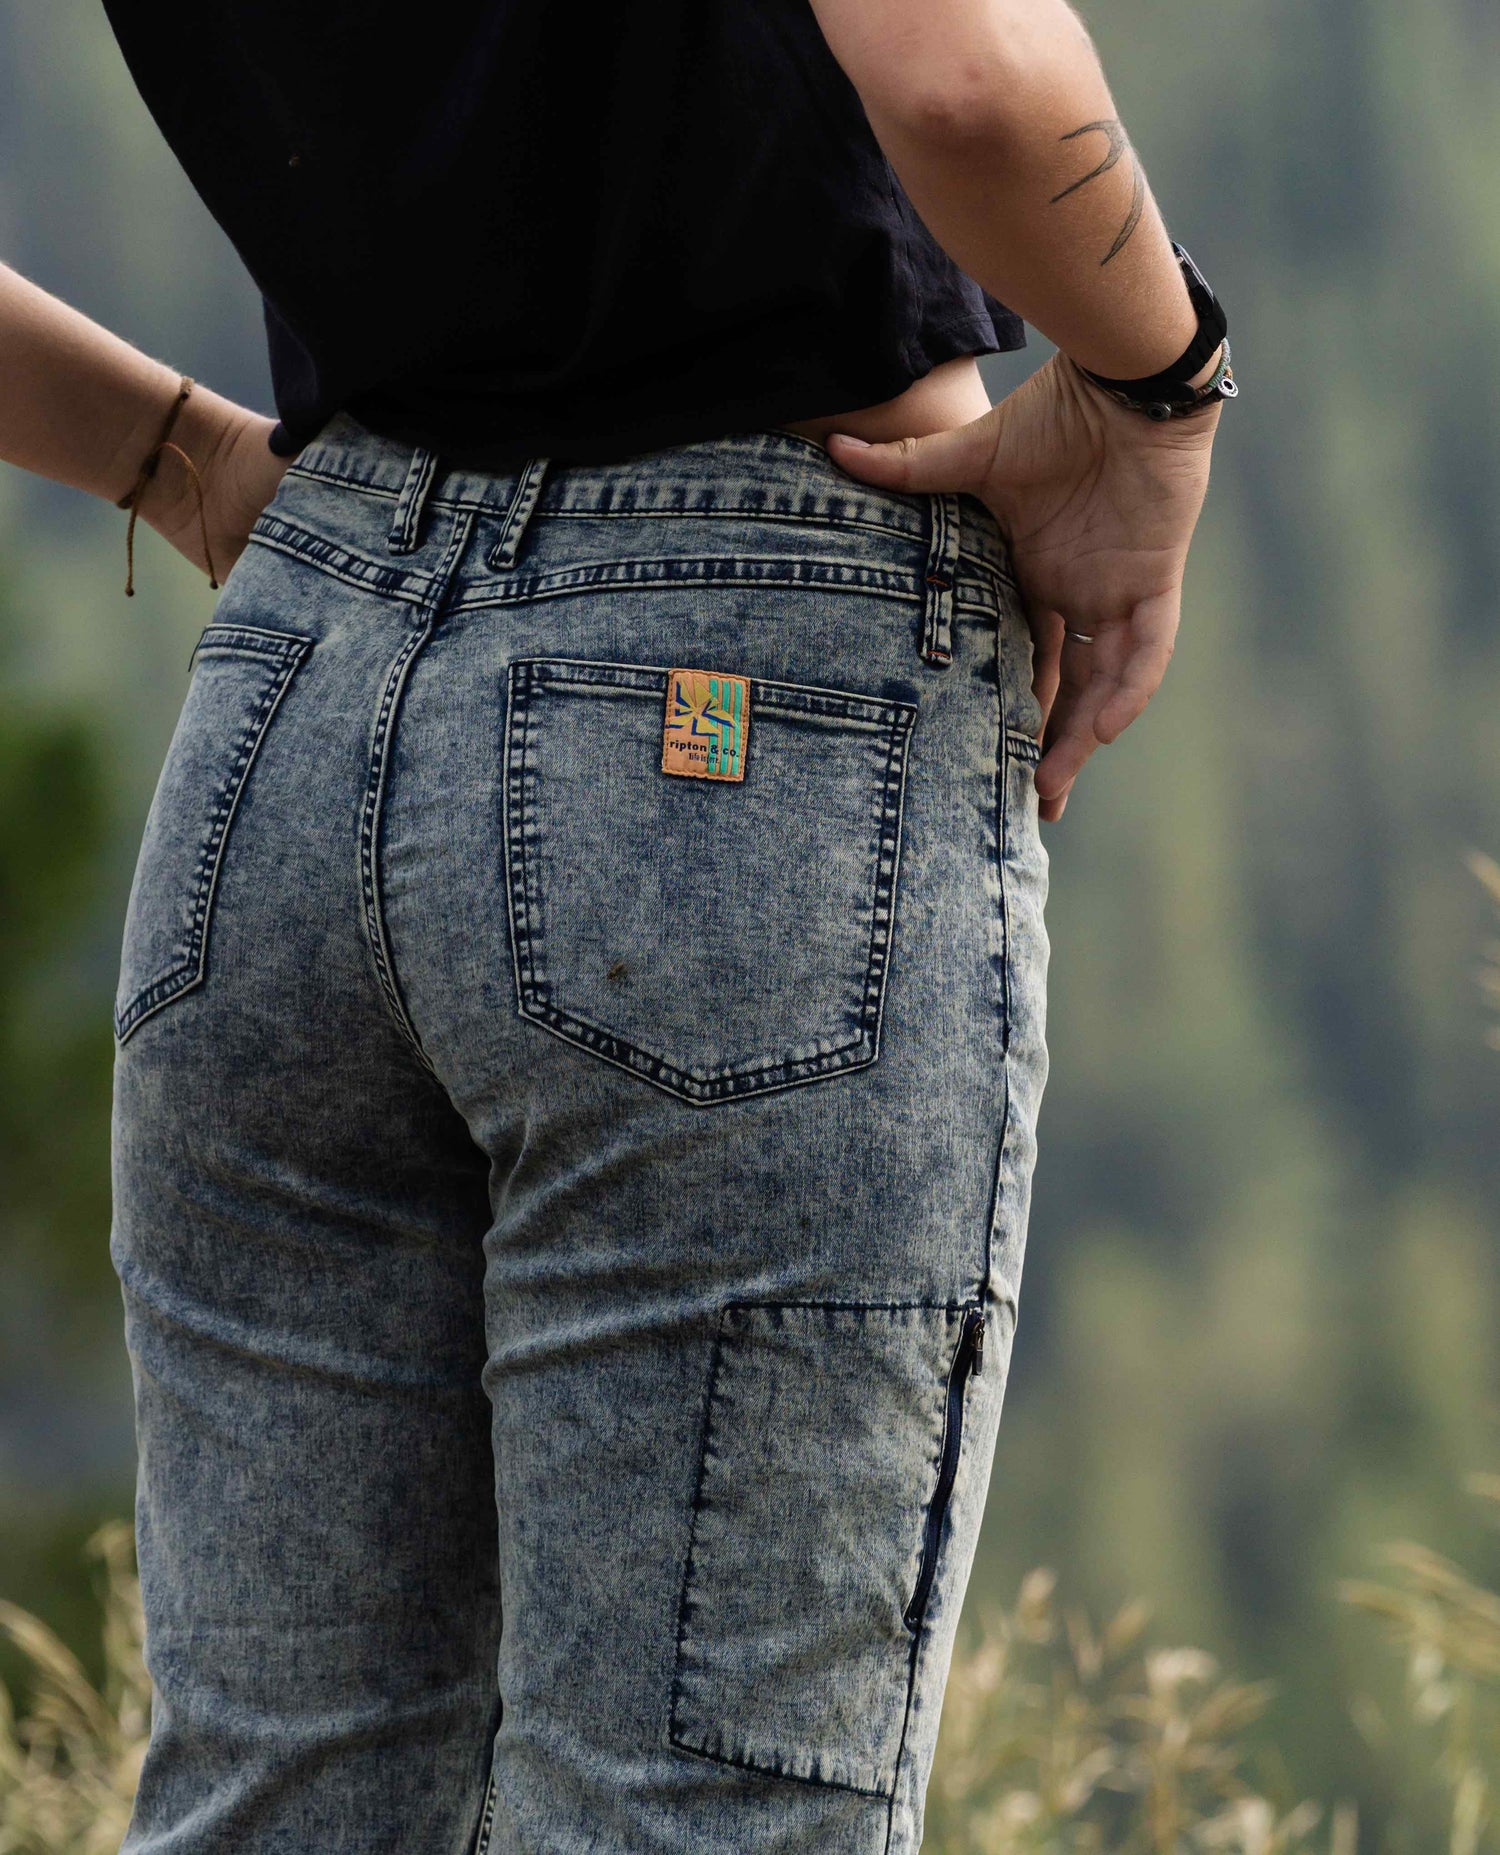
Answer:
(944, 92)
(958, 103)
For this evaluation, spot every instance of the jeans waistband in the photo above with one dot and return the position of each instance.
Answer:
(770, 475)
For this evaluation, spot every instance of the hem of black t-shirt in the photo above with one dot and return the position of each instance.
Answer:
(943, 342)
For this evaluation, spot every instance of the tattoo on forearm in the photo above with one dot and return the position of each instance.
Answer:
(1118, 147)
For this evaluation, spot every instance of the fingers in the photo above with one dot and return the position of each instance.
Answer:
(952, 461)
(1101, 688)
(1068, 739)
(1154, 632)
(1046, 629)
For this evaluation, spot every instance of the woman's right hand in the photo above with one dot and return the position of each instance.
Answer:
(1098, 505)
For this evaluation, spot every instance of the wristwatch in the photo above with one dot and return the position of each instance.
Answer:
(1167, 395)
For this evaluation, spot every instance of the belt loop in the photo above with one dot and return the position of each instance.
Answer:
(409, 504)
(513, 528)
(937, 588)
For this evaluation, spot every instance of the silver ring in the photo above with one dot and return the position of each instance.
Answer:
(1078, 637)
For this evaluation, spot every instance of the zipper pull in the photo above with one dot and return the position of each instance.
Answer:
(976, 1341)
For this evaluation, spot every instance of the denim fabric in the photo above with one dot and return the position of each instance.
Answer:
(570, 1216)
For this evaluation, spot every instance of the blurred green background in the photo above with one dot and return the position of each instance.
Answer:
(1259, 1319)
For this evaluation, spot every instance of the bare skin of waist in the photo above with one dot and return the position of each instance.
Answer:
(952, 394)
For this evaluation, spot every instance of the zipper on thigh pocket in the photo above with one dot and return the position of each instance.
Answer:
(967, 1359)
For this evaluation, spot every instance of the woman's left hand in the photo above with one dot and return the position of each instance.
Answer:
(239, 474)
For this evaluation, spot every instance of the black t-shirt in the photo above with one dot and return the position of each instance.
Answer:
(517, 228)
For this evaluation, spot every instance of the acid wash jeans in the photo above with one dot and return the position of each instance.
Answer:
(578, 1046)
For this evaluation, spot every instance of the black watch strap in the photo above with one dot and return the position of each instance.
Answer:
(1167, 394)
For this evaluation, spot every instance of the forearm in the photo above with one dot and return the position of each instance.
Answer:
(83, 407)
(997, 120)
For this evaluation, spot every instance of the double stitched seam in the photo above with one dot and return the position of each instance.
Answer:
(188, 970)
(513, 526)
(835, 520)
(999, 571)
(370, 823)
(339, 563)
(855, 1054)
(1001, 775)
(319, 473)
(407, 522)
(779, 698)
(981, 608)
(997, 1189)
(516, 821)
(251, 641)
(844, 1307)
(517, 826)
(914, 1656)
(1025, 750)
(1002, 830)
(370, 832)
(675, 1728)
(937, 581)
(705, 1430)
(710, 570)
(1002, 780)
(888, 854)
(575, 504)
(780, 1772)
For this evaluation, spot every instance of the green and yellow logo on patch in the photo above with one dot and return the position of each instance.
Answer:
(707, 724)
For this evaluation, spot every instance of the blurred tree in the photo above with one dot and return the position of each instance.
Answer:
(55, 1055)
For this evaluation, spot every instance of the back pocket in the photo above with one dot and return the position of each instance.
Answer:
(717, 937)
(238, 676)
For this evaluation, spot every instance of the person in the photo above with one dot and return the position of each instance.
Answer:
(580, 1025)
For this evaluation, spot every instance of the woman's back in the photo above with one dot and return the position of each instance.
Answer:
(505, 228)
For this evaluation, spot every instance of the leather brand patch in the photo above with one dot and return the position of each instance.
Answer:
(707, 724)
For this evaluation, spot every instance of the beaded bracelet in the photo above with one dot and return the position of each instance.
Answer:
(131, 499)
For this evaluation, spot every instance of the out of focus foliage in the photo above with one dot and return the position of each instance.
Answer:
(1260, 1323)
(52, 816)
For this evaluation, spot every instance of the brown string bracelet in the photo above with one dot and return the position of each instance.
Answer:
(132, 499)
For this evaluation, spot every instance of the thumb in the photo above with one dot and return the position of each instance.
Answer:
(955, 460)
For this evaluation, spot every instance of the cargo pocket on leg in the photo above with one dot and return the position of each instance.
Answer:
(830, 1445)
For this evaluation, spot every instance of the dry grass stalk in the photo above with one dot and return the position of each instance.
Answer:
(69, 1769)
(1062, 1740)
(1488, 872)
(1449, 1627)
